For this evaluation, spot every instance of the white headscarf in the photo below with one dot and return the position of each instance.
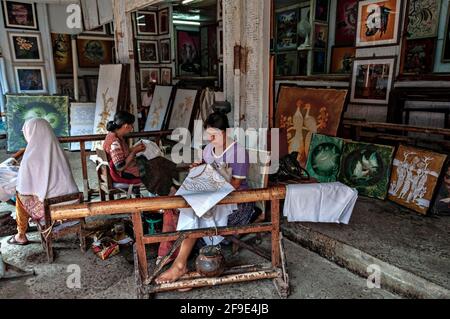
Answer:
(44, 171)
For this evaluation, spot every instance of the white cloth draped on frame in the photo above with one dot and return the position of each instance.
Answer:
(320, 203)
(44, 171)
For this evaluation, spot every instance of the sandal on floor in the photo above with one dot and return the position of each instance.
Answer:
(14, 242)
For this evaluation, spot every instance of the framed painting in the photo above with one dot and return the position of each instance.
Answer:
(92, 52)
(419, 56)
(423, 18)
(183, 109)
(107, 96)
(163, 20)
(320, 36)
(442, 204)
(372, 80)
(342, 60)
(30, 79)
(319, 61)
(62, 53)
(415, 175)
(346, 20)
(321, 9)
(20, 15)
(378, 22)
(65, 87)
(146, 23)
(446, 44)
(305, 111)
(324, 158)
(148, 51)
(287, 63)
(82, 117)
(165, 51)
(159, 108)
(286, 31)
(26, 47)
(149, 75)
(188, 52)
(54, 109)
(91, 85)
(367, 167)
(166, 76)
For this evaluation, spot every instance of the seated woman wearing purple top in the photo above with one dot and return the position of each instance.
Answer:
(232, 161)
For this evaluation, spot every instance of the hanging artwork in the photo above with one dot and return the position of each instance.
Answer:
(30, 79)
(107, 96)
(93, 52)
(287, 63)
(419, 56)
(26, 47)
(367, 167)
(62, 53)
(148, 76)
(346, 20)
(188, 52)
(166, 76)
(442, 204)
(378, 22)
(91, 85)
(321, 10)
(148, 51)
(423, 18)
(446, 43)
(319, 62)
(324, 158)
(305, 111)
(183, 108)
(159, 108)
(20, 15)
(54, 109)
(287, 29)
(65, 87)
(163, 19)
(146, 23)
(342, 60)
(82, 117)
(320, 36)
(372, 80)
(166, 52)
(415, 174)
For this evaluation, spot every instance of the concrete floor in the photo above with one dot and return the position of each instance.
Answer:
(311, 275)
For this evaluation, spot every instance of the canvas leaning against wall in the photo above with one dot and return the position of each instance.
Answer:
(54, 109)
(158, 109)
(324, 158)
(305, 111)
(183, 109)
(415, 174)
(367, 168)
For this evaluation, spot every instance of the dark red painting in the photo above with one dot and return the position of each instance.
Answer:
(419, 56)
(346, 20)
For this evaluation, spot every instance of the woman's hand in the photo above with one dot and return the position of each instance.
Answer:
(138, 148)
(194, 165)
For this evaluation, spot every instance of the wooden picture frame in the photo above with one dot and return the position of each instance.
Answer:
(166, 76)
(148, 52)
(30, 79)
(15, 16)
(320, 36)
(25, 47)
(378, 35)
(368, 82)
(148, 75)
(89, 49)
(342, 58)
(149, 23)
(418, 56)
(163, 21)
(425, 21)
(165, 50)
(286, 29)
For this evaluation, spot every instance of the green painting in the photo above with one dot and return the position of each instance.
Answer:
(324, 158)
(21, 108)
(367, 168)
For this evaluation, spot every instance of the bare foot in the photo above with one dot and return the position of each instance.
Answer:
(173, 274)
(21, 239)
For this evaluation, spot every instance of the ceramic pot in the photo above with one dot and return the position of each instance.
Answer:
(210, 262)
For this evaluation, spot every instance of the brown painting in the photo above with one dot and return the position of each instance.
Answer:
(305, 111)
(415, 174)
(62, 53)
(94, 52)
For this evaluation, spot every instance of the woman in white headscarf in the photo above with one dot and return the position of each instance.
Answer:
(44, 173)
